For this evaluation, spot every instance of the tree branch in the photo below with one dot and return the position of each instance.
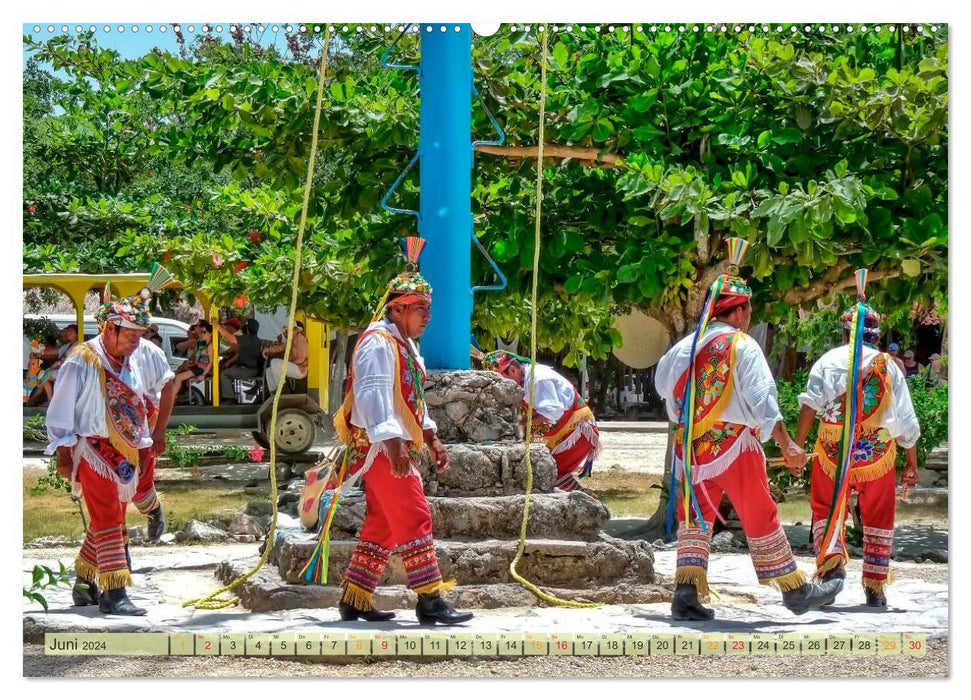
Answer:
(832, 282)
(588, 156)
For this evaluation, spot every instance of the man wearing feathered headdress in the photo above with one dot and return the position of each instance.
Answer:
(561, 418)
(98, 425)
(384, 425)
(856, 446)
(719, 378)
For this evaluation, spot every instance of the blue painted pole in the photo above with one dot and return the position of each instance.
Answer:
(445, 157)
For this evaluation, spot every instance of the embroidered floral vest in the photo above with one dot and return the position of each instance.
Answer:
(874, 451)
(712, 437)
(409, 400)
(554, 434)
(125, 409)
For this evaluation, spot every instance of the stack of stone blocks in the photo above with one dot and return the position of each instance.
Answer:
(477, 512)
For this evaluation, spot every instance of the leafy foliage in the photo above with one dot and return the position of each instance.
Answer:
(52, 481)
(931, 407)
(826, 151)
(44, 577)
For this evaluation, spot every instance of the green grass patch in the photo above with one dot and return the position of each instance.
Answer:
(53, 514)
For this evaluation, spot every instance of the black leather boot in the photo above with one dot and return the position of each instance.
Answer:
(116, 602)
(349, 613)
(432, 608)
(84, 592)
(156, 524)
(837, 573)
(685, 605)
(874, 599)
(811, 595)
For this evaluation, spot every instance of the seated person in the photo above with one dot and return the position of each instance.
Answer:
(297, 365)
(152, 335)
(67, 338)
(200, 366)
(188, 346)
(244, 363)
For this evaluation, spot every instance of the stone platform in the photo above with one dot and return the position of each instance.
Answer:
(544, 562)
(571, 516)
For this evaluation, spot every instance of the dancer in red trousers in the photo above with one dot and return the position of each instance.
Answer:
(561, 418)
(733, 404)
(97, 424)
(385, 425)
(885, 419)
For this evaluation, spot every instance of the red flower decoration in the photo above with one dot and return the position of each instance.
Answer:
(255, 236)
(240, 266)
(167, 256)
(240, 301)
(256, 453)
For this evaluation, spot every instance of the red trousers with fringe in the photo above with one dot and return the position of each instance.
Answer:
(570, 462)
(102, 556)
(878, 503)
(397, 521)
(746, 484)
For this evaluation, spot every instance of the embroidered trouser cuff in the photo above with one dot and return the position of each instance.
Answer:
(773, 561)
(364, 573)
(102, 556)
(694, 548)
(421, 565)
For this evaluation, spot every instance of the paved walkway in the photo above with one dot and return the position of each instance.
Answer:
(165, 577)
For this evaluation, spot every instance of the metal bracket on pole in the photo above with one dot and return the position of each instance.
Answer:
(502, 278)
(495, 124)
(387, 52)
(475, 239)
(387, 195)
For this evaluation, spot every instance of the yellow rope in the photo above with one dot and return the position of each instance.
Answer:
(532, 353)
(211, 601)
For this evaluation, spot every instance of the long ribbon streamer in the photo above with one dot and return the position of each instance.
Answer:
(834, 534)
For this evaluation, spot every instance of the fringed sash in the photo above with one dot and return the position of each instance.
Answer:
(874, 451)
(571, 420)
(125, 410)
(711, 437)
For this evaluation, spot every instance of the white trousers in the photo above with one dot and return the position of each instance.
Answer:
(274, 372)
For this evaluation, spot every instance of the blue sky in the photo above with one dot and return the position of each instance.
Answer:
(134, 39)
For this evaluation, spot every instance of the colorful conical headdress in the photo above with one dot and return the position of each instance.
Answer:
(498, 360)
(726, 292)
(857, 318)
(871, 319)
(408, 286)
(133, 311)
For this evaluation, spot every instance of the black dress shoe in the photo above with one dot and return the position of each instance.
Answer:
(811, 595)
(874, 599)
(84, 592)
(837, 573)
(116, 602)
(349, 613)
(156, 524)
(432, 608)
(685, 605)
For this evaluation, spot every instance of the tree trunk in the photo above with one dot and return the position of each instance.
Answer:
(655, 527)
(338, 373)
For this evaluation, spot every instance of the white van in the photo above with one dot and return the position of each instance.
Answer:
(171, 331)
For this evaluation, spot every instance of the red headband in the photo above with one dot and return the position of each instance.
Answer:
(409, 298)
(727, 302)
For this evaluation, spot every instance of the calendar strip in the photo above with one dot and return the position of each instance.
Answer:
(444, 644)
